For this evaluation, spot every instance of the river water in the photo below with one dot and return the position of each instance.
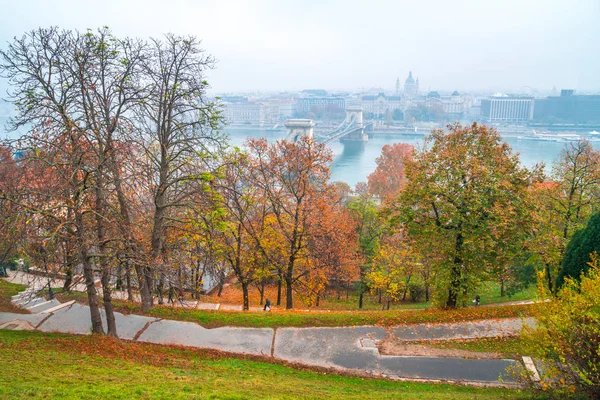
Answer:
(353, 162)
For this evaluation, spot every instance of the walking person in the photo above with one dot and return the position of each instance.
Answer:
(477, 300)
(171, 293)
(181, 296)
(267, 305)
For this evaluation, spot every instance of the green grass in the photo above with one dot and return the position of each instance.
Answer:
(36, 365)
(490, 294)
(212, 319)
(8, 289)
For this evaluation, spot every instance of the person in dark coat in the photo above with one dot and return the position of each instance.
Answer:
(267, 305)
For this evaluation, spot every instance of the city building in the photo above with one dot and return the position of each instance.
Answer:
(411, 87)
(305, 105)
(507, 109)
(245, 113)
(568, 108)
(377, 105)
(286, 109)
(315, 92)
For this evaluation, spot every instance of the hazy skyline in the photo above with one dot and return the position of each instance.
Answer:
(345, 45)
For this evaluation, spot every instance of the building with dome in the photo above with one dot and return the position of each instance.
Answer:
(411, 87)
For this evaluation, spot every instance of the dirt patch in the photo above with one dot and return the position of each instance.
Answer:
(393, 347)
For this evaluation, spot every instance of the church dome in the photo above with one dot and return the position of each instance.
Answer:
(410, 80)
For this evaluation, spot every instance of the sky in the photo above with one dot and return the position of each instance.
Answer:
(261, 45)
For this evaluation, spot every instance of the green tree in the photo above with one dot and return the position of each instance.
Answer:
(578, 253)
(464, 204)
(567, 336)
(397, 115)
(369, 228)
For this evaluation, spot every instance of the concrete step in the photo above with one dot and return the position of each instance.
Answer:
(29, 302)
(22, 294)
(44, 306)
(58, 307)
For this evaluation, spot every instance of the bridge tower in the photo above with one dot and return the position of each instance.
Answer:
(299, 127)
(355, 113)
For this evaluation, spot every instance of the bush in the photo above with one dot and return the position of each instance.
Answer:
(568, 336)
(416, 292)
(577, 255)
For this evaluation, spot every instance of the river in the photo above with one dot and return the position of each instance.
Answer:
(353, 162)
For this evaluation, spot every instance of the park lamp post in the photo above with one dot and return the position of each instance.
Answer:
(43, 253)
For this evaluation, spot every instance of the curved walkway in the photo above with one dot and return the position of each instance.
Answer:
(342, 348)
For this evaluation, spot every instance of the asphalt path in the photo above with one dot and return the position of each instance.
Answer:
(351, 349)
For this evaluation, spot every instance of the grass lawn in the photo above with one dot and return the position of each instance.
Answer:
(347, 300)
(7, 290)
(275, 319)
(37, 365)
(490, 294)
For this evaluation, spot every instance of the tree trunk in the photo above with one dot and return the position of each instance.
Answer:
(245, 294)
(128, 281)
(455, 277)
(100, 208)
(279, 288)
(145, 286)
(108, 308)
(88, 274)
(261, 291)
(501, 287)
(145, 279)
(427, 293)
(68, 279)
(160, 288)
(119, 285)
(318, 297)
(549, 278)
(289, 275)
(289, 303)
(360, 297)
(406, 288)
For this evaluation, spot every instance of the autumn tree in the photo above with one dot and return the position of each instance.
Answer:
(389, 177)
(291, 176)
(394, 265)
(46, 94)
(369, 228)
(237, 218)
(564, 204)
(11, 222)
(465, 193)
(179, 130)
(567, 335)
(332, 245)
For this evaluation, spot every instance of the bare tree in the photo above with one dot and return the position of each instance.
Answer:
(178, 129)
(45, 94)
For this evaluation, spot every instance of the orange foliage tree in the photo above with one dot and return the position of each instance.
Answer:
(390, 177)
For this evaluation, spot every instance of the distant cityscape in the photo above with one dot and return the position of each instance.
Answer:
(407, 104)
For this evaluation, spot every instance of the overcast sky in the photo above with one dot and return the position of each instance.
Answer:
(348, 44)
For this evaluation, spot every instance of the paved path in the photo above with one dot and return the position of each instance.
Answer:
(343, 348)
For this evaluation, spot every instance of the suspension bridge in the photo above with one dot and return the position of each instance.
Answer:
(352, 129)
